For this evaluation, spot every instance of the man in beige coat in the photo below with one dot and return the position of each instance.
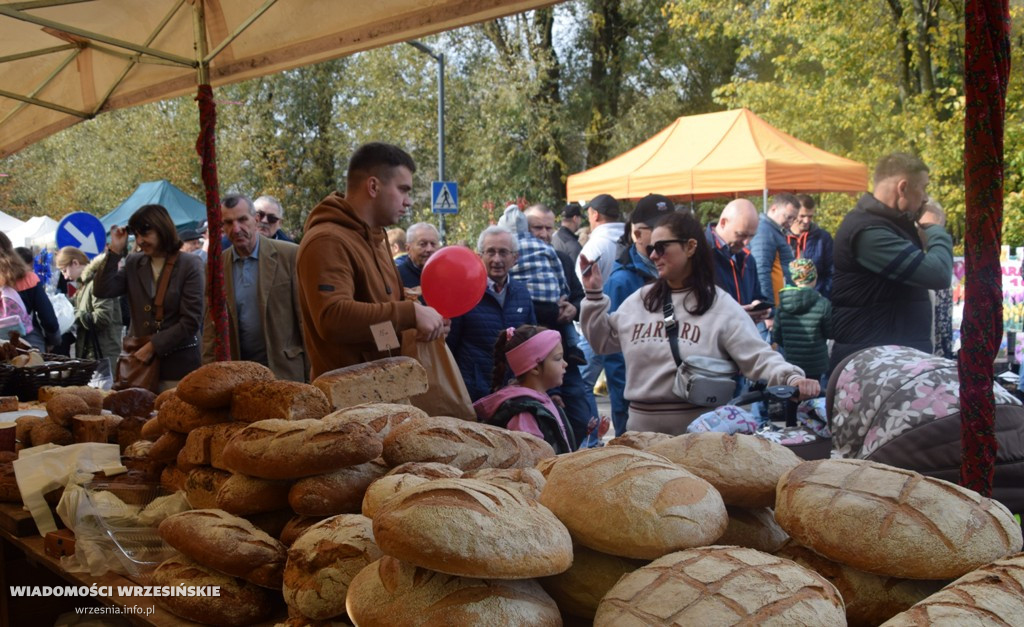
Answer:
(264, 319)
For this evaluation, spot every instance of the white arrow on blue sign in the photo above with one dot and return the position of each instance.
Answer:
(444, 197)
(83, 231)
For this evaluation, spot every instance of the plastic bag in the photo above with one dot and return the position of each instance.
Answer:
(65, 311)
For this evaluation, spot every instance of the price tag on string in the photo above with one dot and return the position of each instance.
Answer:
(384, 336)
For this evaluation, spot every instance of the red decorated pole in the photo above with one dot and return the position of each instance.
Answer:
(986, 73)
(206, 147)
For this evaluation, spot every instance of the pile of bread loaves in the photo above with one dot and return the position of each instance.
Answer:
(339, 501)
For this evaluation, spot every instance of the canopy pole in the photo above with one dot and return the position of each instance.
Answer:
(207, 149)
(987, 70)
(764, 201)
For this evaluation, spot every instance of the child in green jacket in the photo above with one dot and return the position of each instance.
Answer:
(803, 321)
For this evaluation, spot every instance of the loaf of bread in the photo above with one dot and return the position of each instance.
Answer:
(743, 468)
(338, 492)
(528, 481)
(722, 585)
(271, 523)
(323, 561)
(465, 445)
(152, 429)
(391, 593)
(23, 428)
(88, 428)
(9, 403)
(579, 590)
(870, 599)
(202, 486)
(227, 544)
(382, 381)
(162, 397)
(990, 595)
(243, 495)
(427, 470)
(139, 448)
(637, 504)
(239, 603)
(130, 402)
(471, 528)
(63, 407)
(173, 478)
(253, 401)
(292, 449)
(93, 397)
(753, 528)
(49, 432)
(296, 526)
(891, 521)
(177, 415)
(534, 449)
(167, 446)
(196, 451)
(383, 489)
(640, 440)
(210, 386)
(222, 434)
(381, 417)
(129, 431)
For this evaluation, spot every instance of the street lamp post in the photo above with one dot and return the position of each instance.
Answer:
(439, 57)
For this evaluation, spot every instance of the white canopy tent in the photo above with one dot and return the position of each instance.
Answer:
(8, 222)
(38, 231)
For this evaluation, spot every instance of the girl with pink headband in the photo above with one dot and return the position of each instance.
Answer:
(534, 356)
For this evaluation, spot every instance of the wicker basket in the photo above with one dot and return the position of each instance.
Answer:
(58, 370)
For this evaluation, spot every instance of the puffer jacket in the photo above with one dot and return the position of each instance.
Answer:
(803, 324)
(473, 335)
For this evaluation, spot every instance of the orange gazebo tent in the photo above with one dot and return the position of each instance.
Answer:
(717, 154)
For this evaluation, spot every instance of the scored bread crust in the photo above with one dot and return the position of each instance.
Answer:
(338, 492)
(640, 440)
(323, 561)
(722, 585)
(240, 603)
(292, 449)
(175, 414)
(228, 544)
(465, 445)
(385, 488)
(472, 528)
(210, 386)
(638, 504)
(391, 593)
(990, 595)
(891, 521)
(753, 528)
(743, 468)
(243, 495)
(252, 401)
(381, 417)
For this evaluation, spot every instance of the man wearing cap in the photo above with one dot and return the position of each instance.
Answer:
(269, 213)
(422, 240)
(632, 270)
(191, 241)
(735, 267)
(602, 248)
(564, 240)
(262, 290)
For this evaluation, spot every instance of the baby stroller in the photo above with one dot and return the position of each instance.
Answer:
(900, 406)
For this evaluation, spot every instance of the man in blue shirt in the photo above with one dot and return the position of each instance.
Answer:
(735, 267)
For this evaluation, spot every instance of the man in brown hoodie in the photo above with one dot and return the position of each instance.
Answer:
(347, 279)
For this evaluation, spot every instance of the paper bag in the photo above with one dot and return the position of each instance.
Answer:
(447, 394)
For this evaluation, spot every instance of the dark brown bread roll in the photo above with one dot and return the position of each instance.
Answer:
(203, 484)
(210, 386)
(166, 447)
(252, 401)
(175, 414)
(243, 495)
(338, 492)
(130, 402)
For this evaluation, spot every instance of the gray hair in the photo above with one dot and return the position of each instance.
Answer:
(410, 233)
(497, 230)
(270, 200)
(231, 201)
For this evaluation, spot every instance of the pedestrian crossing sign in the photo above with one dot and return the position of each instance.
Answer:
(444, 197)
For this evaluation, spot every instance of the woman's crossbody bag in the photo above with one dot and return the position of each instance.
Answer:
(705, 381)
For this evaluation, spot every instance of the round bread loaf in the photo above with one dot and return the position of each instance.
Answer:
(528, 481)
(203, 484)
(252, 401)
(465, 445)
(93, 397)
(152, 430)
(427, 470)
(292, 449)
(296, 526)
(753, 528)
(167, 446)
(173, 478)
(226, 543)
(579, 590)
(637, 504)
(239, 603)
(175, 414)
(383, 489)
(381, 417)
(391, 593)
(129, 431)
(471, 528)
(242, 495)
(990, 595)
(49, 432)
(535, 449)
(323, 561)
(210, 386)
(338, 492)
(136, 402)
(721, 585)
(891, 521)
(743, 468)
(23, 428)
(870, 599)
(162, 397)
(640, 440)
(63, 407)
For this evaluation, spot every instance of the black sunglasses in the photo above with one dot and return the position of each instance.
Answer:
(139, 231)
(269, 217)
(659, 247)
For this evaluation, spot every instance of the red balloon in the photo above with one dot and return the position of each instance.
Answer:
(453, 281)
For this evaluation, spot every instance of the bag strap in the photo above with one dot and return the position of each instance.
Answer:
(671, 327)
(161, 290)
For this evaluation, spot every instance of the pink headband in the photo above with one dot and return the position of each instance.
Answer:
(532, 351)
